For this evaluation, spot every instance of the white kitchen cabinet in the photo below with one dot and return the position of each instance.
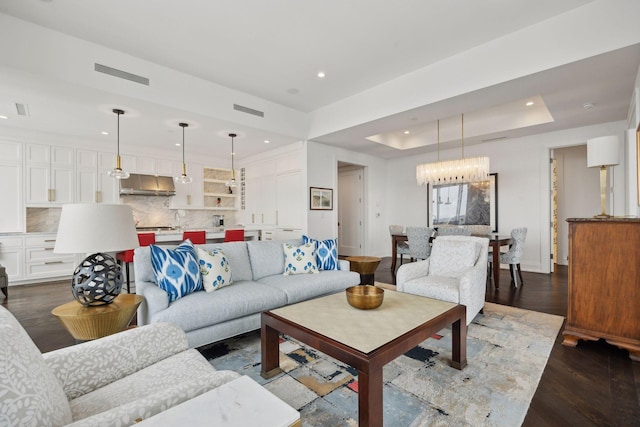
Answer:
(188, 196)
(12, 256)
(42, 262)
(11, 173)
(50, 175)
(93, 183)
(151, 166)
(260, 194)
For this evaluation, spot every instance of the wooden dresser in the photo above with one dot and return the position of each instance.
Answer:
(604, 282)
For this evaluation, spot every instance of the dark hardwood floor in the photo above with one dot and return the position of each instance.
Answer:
(594, 384)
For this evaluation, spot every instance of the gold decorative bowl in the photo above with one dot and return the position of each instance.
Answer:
(365, 297)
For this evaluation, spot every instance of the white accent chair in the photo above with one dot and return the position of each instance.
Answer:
(455, 272)
(112, 381)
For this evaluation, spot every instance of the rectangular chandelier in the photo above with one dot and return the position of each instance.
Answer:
(453, 171)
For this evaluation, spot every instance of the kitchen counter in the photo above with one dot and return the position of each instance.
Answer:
(213, 235)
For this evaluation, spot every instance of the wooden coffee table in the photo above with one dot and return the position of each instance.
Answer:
(364, 339)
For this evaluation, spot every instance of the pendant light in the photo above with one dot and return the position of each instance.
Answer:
(117, 172)
(232, 182)
(471, 169)
(184, 178)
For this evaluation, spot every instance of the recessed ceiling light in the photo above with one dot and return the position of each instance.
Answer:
(321, 74)
(529, 104)
(587, 105)
(104, 132)
(4, 117)
(266, 141)
(406, 132)
(177, 144)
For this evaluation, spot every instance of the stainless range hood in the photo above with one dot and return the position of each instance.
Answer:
(147, 185)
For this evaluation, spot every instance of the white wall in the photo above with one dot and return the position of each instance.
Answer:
(322, 171)
(523, 167)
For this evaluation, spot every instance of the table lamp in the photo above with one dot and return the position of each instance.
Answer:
(603, 152)
(95, 229)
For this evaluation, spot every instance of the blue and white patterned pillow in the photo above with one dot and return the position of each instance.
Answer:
(215, 269)
(176, 270)
(326, 252)
(300, 259)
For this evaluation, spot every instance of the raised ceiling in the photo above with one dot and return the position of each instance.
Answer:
(270, 54)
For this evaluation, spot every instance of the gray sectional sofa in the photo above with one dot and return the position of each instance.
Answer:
(258, 285)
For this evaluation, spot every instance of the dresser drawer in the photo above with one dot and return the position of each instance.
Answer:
(45, 241)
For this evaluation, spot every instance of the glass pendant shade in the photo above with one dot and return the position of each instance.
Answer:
(463, 170)
(117, 172)
(183, 178)
(232, 182)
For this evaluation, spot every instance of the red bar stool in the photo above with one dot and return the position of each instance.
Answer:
(145, 239)
(196, 237)
(234, 235)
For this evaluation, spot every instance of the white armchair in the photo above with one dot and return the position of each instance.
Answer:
(113, 381)
(455, 272)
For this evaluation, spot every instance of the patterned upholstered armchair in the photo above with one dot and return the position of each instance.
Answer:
(455, 272)
(419, 239)
(112, 381)
(403, 247)
(513, 255)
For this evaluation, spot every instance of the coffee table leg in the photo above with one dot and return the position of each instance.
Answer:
(269, 338)
(459, 344)
(370, 398)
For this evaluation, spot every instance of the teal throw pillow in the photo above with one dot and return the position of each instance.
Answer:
(326, 252)
(215, 269)
(176, 270)
(300, 259)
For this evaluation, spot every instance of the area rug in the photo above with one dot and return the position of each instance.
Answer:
(507, 350)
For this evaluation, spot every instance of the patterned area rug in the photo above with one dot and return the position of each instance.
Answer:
(507, 350)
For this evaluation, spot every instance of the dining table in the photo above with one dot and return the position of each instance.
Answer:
(495, 243)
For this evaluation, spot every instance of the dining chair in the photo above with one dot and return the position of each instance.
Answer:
(419, 239)
(513, 255)
(234, 235)
(403, 247)
(126, 257)
(196, 237)
(453, 231)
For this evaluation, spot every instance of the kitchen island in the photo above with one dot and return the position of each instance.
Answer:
(213, 235)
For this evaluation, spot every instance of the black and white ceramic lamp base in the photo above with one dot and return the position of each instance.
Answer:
(97, 280)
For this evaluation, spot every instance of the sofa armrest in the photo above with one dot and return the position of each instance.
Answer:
(411, 271)
(155, 300)
(344, 265)
(85, 367)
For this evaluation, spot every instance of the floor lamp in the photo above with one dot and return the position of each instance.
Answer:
(601, 153)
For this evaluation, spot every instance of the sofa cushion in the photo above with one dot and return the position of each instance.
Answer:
(300, 259)
(451, 258)
(326, 252)
(238, 257)
(267, 257)
(30, 394)
(176, 270)
(201, 309)
(215, 269)
(303, 287)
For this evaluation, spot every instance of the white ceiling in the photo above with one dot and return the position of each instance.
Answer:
(272, 50)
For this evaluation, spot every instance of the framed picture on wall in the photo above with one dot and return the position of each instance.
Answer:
(472, 203)
(321, 199)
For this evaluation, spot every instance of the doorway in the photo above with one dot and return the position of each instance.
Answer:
(350, 209)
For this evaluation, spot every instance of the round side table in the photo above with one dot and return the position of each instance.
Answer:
(366, 266)
(89, 323)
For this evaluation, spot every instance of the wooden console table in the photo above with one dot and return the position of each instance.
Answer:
(604, 282)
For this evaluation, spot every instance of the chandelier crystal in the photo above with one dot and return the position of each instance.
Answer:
(453, 171)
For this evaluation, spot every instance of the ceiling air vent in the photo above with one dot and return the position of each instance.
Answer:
(248, 110)
(121, 74)
(22, 109)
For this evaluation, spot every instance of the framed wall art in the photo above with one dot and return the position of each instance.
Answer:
(472, 203)
(321, 199)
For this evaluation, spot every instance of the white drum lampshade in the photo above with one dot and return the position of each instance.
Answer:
(602, 152)
(94, 229)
